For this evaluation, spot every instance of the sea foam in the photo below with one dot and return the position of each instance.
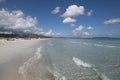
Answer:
(80, 62)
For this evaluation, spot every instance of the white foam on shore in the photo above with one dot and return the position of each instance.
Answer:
(22, 69)
(80, 62)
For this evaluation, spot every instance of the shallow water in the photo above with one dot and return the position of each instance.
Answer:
(83, 59)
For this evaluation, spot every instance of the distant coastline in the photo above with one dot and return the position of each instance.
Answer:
(24, 36)
(88, 37)
(30, 36)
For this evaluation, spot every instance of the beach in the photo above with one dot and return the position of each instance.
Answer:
(22, 60)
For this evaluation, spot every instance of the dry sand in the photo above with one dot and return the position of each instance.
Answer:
(22, 60)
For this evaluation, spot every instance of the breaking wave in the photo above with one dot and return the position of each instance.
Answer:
(80, 62)
(100, 75)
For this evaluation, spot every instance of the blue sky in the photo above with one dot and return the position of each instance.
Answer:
(61, 17)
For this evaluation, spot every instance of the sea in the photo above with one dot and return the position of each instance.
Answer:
(82, 59)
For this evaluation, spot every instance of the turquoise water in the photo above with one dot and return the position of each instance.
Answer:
(83, 59)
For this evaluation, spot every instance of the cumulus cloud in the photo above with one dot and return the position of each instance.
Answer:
(71, 12)
(69, 20)
(78, 30)
(74, 10)
(112, 21)
(17, 21)
(90, 28)
(49, 33)
(72, 25)
(5, 32)
(90, 13)
(86, 33)
(56, 10)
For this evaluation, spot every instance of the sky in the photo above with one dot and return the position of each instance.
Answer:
(61, 17)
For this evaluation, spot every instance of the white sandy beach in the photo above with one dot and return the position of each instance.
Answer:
(22, 60)
(9, 49)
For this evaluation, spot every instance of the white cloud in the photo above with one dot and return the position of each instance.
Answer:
(86, 33)
(90, 13)
(112, 21)
(17, 21)
(56, 10)
(72, 25)
(78, 30)
(5, 32)
(49, 33)
(69, 20)
(90, 28)
(74, 10)
(27, 31)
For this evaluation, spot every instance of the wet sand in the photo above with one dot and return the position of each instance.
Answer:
(22, 60)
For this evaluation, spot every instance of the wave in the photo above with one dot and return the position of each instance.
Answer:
(22, 69)
(80, 62)
(96, 45)
(56, 74)
(109, 46)
(100, 75)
